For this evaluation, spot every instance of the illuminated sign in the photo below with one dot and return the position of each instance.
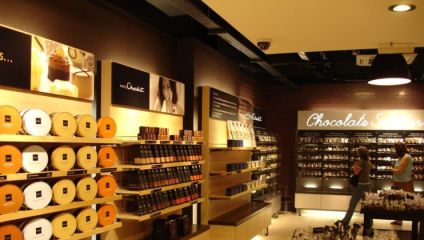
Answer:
(361, 119)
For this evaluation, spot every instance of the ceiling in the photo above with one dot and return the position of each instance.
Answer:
(327, 30)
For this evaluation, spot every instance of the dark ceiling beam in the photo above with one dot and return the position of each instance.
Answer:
(234, 38)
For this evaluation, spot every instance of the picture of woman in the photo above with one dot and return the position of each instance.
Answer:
(167, 97)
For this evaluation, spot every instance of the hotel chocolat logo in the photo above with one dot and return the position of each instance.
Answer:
(88, 156)
(87, 124)
(107, 126)
(64, 156)
(7, 118)
(65, 123)
(38, 194)
(38, 231)
(8, 158)
(8, 197)
(130, 87)
(38, 121)
(65, 191)
(88, 187)
(64, 224)
(34, 157)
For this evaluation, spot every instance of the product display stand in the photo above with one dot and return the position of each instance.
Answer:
(24, 100)
(139, 224)
(220, 183)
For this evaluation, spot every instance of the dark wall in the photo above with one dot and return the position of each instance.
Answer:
(283, 105)
(103, 30)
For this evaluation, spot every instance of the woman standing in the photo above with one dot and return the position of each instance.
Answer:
(402, 170)
(363, 168)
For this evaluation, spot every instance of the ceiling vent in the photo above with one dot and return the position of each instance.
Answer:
(366, 60)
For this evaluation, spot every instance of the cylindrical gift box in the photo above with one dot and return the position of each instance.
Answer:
(10, 159)
(106, 185)
(35, 122)
(86, 219)
(11, 199)
(10, 232)
(63, 158)
(106, 127)
(34, 159)
(107, 157)
(64, 225)
(10, 120)
(86, 188)
(37, 229)
(107, 214)
(64, 191)
(37, 195)
(63, 124)
(86, 157)
(86, 126)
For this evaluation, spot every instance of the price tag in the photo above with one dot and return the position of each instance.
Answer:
(155, 214)
(150, 142)
(200, 143)
(165, 142)
(108, 170)
(39, 175)
(76, 172)
(190, 142)
(195, 163)
(3, 177)
(157, 166)
(156, 190)
(177, 142)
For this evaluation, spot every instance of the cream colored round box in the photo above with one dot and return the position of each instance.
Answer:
(37, 229)
(63, 158)
(86, 126)
(63, 124)
(35, 122)
(34, 159)
(37, 195)
(86, 157)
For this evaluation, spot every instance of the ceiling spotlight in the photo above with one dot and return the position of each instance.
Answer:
(303, 56)
(402, 7)
(389, 69)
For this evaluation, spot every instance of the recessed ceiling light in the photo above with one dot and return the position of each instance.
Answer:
(402, 7)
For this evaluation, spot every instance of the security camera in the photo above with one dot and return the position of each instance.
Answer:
(264, 43)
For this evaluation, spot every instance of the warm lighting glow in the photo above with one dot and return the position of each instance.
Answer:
(326, 214)
(389, 69)
(336, 187)
(389, 81)
(311, 186)
(402, 8)
(417, 189)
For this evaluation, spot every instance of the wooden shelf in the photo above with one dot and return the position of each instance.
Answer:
(53, 209)
(225, 173)
(55, 139)
(236, 148)
(94, 232)
(195, 230)
(130, 216)
(50, 174)
(161, 142)
(217, 197)
(160, 165)
(154, 190)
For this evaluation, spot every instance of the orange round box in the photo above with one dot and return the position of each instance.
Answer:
(10, 120)
(11, 231)
(11, 199)
(10, 159)
(106, 157)
(106, 127)
(107, 215)
(106, 186)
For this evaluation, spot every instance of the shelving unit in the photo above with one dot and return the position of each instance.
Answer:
(218, 179)
(130, 216)
(54, 209)
(379, 144)
(221, 197)
(150, 191)
(98, 230)
(127, 167)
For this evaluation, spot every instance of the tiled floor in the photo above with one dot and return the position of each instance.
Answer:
(283, 226)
